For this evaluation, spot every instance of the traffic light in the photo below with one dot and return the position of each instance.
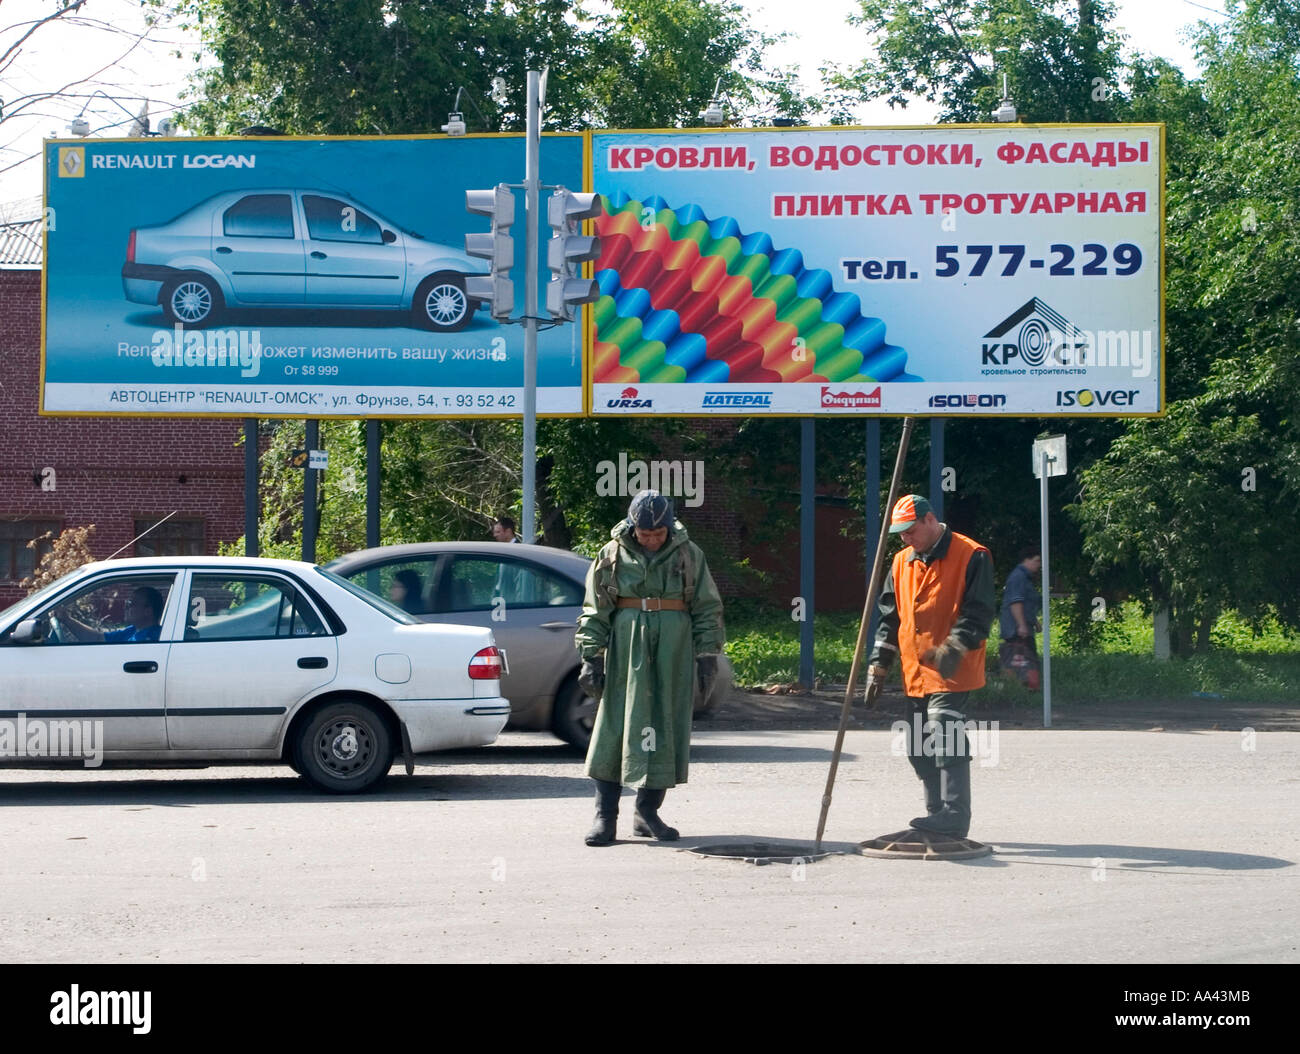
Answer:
(566, 252)
(495, 288)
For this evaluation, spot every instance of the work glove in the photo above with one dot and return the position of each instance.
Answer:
(945, 658)
(875, 682)
(591, 678)
(706, 669)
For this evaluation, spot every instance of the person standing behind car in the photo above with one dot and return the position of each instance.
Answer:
(651, 625)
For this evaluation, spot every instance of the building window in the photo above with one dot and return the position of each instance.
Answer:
(17, 561)
(173, 538)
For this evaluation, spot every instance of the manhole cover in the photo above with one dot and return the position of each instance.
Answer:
(764, 852)
(918, 845)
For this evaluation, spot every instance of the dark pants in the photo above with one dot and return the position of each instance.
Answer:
(936, 732)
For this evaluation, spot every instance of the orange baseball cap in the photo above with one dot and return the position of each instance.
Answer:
(907, 511)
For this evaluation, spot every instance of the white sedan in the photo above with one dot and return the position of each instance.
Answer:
(221, 659)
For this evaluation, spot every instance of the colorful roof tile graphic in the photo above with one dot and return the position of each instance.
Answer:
(686, 298)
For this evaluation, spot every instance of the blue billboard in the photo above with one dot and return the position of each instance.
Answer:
(265, 277)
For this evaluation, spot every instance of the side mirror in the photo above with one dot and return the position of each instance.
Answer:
(29, 631)
(388, 236)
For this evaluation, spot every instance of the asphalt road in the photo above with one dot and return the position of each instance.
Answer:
(1128, 847)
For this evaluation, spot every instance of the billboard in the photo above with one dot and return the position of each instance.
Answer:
(947, 270)
(286, 277)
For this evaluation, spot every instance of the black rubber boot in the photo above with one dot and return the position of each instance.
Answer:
(646, 823)
(953, 819)
(603, 830)
(928, 773)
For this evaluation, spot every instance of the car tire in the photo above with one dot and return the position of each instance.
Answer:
(575, 715)
(441, 303)
(192, 300)
(344, 748)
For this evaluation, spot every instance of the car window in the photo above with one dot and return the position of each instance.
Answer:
(260, 216)
(474, 583)
(332, 220)
(121, 610)
(407, 584)
(58, 585)
(378, 603)
(245, 607)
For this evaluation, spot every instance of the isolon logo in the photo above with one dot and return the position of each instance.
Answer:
(967, 401)
(1098, 397)
(1042, 333)
(851, 400)
(627, 400)
(739, 400)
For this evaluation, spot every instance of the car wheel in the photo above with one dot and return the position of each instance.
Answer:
(575, 715)
(192, 300)
(441, 303)
(344, 748)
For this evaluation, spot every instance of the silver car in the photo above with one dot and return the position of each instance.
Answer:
(540, 590)
(294, 248)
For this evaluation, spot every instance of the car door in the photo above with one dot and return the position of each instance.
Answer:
(255, 243)
(531, 610)
(252, 647)
(101, 660)
(352, 259)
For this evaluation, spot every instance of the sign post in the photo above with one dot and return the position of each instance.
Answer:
(1048, 460)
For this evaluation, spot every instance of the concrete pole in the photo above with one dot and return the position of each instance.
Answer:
(532, 182)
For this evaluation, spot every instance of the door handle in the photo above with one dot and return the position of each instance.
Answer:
(317, 255)
(224, 249)
(313, 662)
(558, 625)
(140, 667)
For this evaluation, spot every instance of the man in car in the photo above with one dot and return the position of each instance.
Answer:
(143, 614)
(651, 626)
(936, 608)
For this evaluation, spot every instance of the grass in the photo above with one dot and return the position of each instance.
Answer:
(1241, 665)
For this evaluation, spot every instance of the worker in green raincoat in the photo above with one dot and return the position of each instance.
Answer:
(651, 625)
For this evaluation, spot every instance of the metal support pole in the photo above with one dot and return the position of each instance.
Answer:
(936, 466)
(532, 182)
(252, 500)
(807, 545)
(1047, 604)
(372, 482)
(873, 507)
(309, 525)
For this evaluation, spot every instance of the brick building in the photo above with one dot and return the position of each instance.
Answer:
(121, 474)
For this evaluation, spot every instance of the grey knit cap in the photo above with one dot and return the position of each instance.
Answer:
(650, 509)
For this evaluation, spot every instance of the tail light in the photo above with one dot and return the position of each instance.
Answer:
(130, 247)
(486, 665)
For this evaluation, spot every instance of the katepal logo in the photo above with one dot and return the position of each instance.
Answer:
(1043, 331)
(851, 400)
(72, 162)
(627, 400)
(739, 400)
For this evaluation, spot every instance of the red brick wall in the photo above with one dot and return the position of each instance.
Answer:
(110, 471)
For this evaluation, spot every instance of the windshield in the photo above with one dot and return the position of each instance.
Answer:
(378, 603)
(53, 587)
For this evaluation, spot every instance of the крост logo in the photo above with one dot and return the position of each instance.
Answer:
(1043, 334)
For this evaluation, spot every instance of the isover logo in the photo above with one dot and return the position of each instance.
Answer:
(1098, 397)
(1042, 333)
(627, 400)
(739, 400)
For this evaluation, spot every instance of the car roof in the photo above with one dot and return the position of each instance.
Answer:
(543, 554)
(166, 562)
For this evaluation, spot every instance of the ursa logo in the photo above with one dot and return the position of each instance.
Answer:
(628, 400)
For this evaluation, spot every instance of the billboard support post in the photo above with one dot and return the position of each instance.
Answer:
(532, 184)
(251, 500)
(309, 524)
(372, 482)
(807, 546)
(1048, 460)
(873, 506)
(936, 466)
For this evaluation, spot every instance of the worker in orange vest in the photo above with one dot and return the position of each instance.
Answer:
(936, 608)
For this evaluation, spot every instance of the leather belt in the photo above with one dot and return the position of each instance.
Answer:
(652, 603)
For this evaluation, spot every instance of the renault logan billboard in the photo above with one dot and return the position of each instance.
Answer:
(287, 277)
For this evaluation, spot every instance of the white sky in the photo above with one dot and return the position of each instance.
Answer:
(58, 55)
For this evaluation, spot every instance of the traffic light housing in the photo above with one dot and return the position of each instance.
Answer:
(567, 250)
(498, 248)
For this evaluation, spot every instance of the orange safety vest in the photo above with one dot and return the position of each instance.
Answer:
(928, 599)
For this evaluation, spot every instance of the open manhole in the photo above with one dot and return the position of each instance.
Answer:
(918, 845)
(764, 852)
